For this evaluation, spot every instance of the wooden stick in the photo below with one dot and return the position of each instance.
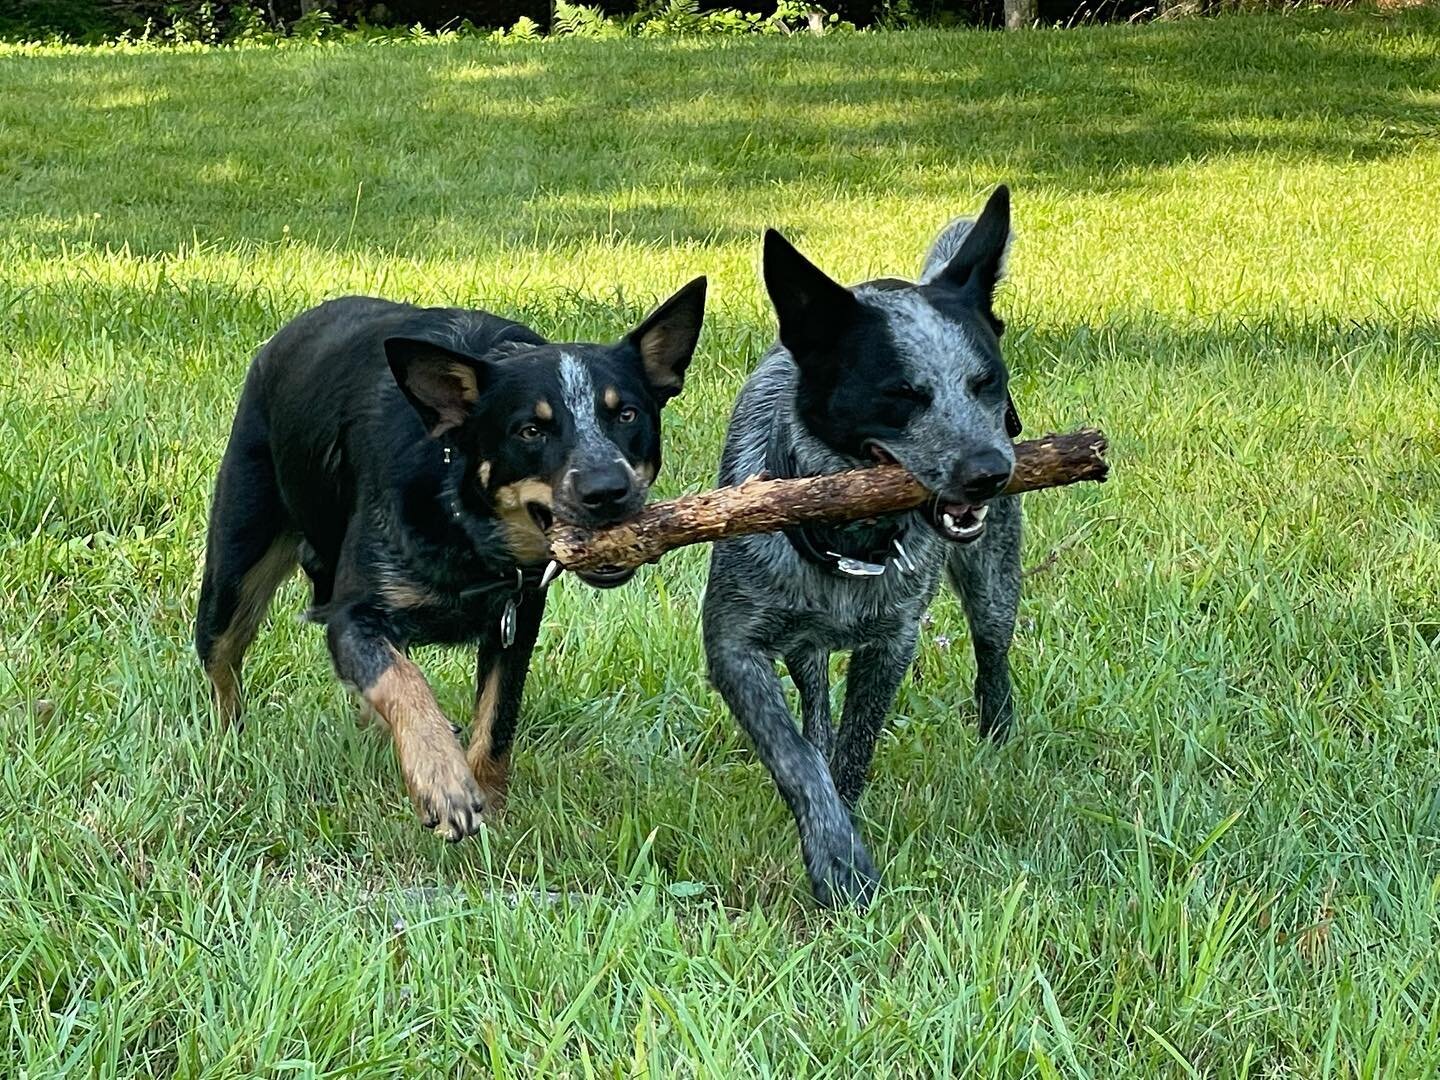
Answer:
(764, 505)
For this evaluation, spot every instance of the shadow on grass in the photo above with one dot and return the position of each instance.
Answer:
(471, 145)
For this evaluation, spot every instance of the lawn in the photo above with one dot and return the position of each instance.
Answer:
(1213, 847)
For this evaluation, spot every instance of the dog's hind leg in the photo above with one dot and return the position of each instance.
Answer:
(839, 866)
(875, 674)
(986, 577)
(250, 550)
(499, 687)
(431, 759)
(810, 670)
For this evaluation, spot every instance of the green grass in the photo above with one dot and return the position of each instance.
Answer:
(1211, 848)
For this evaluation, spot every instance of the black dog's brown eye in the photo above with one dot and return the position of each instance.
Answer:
(531, 432)
(628, 415)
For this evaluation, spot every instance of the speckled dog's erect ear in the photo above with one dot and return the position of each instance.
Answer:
(979, 265)
(813, 309)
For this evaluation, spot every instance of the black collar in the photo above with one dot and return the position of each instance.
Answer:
(859, 549)
(515, 581)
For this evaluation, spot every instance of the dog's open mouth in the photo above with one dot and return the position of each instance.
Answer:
(960, 523)
(605, 578)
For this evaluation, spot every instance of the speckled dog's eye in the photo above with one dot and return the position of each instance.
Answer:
(628, 415)
(909, 393)
(980, 383)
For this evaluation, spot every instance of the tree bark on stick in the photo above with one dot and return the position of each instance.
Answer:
(764, 505)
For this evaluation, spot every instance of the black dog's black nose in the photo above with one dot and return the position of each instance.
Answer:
(981, 476)
(598, 489)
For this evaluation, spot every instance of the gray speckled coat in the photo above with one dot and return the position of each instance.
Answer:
(765, 602)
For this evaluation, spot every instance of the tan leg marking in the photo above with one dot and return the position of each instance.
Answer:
(491, 773)
(227, 655)
(431, 760)
(405, 594)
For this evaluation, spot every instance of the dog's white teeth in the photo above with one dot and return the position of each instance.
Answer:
(980, 511)
(948, 520)
(971, 530)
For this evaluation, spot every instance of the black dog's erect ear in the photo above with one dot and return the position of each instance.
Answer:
(980, 263)
(1013, 427)
(442, 385)
(812, 308)
(666, 339)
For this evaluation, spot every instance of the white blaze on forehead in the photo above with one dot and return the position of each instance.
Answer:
(577, 390)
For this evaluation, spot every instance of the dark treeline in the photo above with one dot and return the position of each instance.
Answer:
(93, 20)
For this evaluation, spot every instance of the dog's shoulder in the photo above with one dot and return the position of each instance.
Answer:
(770, 388)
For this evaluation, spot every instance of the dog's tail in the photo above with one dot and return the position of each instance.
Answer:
(947, 245)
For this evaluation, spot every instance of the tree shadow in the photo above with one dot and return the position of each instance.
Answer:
(468, 145)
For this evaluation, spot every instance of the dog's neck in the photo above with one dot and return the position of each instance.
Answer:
(485, 566)
(792, 451)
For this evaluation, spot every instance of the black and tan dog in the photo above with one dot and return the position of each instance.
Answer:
(410, 459)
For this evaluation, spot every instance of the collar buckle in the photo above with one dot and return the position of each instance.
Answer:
(856, 567)
(509, 617)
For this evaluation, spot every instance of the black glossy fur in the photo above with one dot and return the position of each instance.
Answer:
(409, 459)
(887, 369)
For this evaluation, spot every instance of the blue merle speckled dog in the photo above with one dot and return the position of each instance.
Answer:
(884, 371)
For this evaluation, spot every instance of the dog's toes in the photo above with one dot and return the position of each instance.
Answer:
(998, 733)
(451, 832)
(453, 809)
(366, 716)
(494, 803)
(995, 723)
(464, 821)
(492, 776)
(846, 878)
(850, 888)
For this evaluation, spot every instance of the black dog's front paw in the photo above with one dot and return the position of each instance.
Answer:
(844, 877)
(997, 709)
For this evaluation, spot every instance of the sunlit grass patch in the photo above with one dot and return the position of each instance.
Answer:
(1211, 847)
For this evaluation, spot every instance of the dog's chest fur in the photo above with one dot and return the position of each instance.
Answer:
(786, 601)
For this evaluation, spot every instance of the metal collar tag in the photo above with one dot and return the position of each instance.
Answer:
(856, 567)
